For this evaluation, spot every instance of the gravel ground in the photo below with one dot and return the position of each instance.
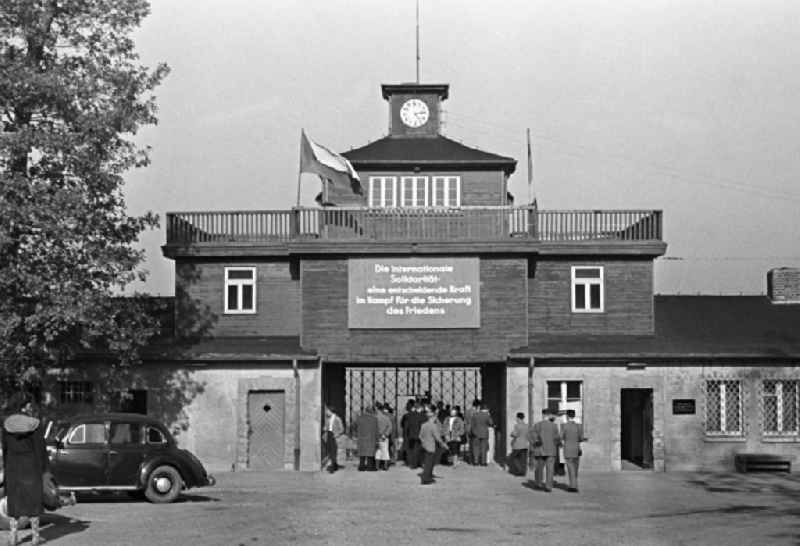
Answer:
(466, 505)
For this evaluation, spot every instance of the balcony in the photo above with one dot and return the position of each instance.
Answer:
(477, 224)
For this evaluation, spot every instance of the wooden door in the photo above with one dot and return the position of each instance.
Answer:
(265, 434)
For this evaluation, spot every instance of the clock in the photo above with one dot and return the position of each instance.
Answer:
(414, 113)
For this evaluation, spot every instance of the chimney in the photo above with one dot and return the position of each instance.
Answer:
(783, 285)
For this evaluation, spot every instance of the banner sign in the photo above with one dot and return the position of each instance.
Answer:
(413, 293)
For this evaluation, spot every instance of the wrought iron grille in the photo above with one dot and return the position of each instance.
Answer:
(724, 407)
(365, 387)
(780, 407)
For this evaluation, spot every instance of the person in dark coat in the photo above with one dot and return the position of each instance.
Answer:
(414, 449)
(481, 421)
(24, 462)
(367, 428)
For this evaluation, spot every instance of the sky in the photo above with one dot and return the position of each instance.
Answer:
(687, 106)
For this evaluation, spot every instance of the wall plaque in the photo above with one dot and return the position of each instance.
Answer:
(683, 406)
(413, 293)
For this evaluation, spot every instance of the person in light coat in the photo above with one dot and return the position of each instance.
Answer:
(453, 430)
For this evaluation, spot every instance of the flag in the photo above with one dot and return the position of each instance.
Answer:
(340, 180)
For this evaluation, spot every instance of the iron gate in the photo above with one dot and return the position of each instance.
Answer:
(367, 386)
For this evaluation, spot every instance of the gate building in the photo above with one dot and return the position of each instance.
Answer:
(433, 282)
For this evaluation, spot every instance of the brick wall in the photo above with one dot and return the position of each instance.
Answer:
(503, 319)
(783, 285)
(277, 297)
(628, 298)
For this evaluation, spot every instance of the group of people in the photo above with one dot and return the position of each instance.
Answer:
(544, 438)
(431, 433)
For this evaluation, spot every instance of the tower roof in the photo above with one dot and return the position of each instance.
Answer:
(436, 152)
(441, 89)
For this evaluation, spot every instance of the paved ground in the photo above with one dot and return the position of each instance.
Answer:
(466, 506)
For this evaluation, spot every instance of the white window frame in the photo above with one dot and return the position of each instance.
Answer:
(386, 188)
(587, 283)
(419, 192)
(445, 183)
(779, 409)
(723, 425)
(563, 399)
(238, 310)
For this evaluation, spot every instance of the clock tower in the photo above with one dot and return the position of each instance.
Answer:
(414, 108)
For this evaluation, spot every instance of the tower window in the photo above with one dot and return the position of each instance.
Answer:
(446, 191)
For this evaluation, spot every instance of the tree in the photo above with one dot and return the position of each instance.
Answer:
(72, 96)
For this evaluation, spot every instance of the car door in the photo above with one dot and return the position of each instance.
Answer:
(126, 451)
(79, 459)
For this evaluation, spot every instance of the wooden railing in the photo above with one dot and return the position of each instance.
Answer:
(465, 224)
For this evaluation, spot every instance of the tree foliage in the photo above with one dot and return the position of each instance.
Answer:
(72, 96)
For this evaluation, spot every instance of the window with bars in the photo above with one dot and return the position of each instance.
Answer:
(76, 392)
(724, 407)
(587, 289)
(781, 406)
(240, 290)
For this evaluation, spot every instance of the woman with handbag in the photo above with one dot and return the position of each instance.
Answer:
(24, 462)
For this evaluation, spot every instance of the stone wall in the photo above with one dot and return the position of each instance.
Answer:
(679, 441)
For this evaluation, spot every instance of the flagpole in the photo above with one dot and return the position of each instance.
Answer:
(418, 57)
(530, 168)
(299, 167)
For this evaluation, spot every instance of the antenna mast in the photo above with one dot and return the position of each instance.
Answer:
(418, 57)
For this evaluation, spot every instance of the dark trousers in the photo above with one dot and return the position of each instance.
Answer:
(518, 462)
(480, 447)
(366, 463)
(547, 466)
(413, 452)
(331, 449)
(428, 461)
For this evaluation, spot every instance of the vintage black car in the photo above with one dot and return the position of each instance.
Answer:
(121, 452)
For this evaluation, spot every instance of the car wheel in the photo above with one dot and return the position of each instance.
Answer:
(163, 485)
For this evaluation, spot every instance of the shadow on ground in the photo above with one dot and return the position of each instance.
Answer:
(784, 487)
(122, 497)
(56, 526)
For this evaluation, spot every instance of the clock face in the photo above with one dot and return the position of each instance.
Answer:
(414, 113)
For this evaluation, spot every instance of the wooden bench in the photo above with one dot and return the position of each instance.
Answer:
(761, 462)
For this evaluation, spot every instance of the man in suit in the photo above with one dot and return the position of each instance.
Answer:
(518, 462)
(546, 438)
(430, 438)
(572, 436)
(331, 433)
(481, 421)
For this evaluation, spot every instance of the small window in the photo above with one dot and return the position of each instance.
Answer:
(90, 433)
(445, 191)
(155, 436)
(565, 395)
(724, 407)
(240, 290)
(781, 407)
(414, 191)
(125, 433)
(587, 289)
(383, 192)
(76, 392)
